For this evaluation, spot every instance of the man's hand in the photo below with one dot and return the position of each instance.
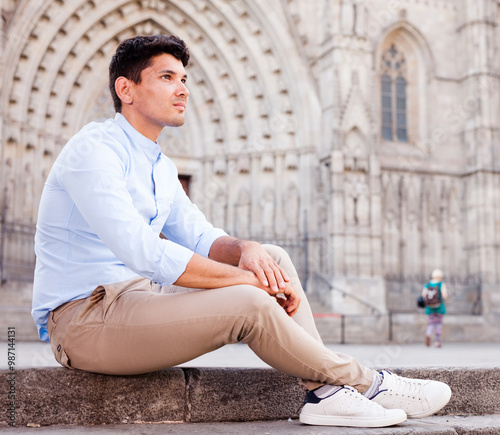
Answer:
(289, 300)
(272, 277)
(255, 259)
(251, 256)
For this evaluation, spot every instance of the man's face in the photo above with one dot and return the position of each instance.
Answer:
(160, 99)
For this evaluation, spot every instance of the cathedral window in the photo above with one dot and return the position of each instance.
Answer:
(393, 85)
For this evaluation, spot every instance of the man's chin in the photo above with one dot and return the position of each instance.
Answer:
(175, 122)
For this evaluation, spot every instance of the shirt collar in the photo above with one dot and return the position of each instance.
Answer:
(150, 148)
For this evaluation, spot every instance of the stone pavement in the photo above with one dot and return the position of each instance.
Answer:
(38, 354)
(442, 425)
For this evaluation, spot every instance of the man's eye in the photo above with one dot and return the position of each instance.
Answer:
(166, 77)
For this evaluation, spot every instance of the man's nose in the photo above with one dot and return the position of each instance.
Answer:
(182, 89)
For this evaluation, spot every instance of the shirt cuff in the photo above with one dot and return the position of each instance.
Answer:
(206, 242)
(172, 264)
(43, 333)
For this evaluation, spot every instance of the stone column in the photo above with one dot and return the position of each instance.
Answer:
(481, 101)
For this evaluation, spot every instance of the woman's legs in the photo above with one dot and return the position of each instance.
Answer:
(434, 325)
(439, 329)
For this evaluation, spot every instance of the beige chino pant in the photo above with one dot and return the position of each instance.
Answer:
(130, 327)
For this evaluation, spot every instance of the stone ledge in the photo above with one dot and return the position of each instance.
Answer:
(442, 425)
(56, 396)
(61, 396)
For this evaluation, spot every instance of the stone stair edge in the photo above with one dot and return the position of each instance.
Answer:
(55, 395)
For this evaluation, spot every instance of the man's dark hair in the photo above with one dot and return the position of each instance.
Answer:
(135, 54)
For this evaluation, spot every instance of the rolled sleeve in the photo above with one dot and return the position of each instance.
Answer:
(207, 240)
(172, 264)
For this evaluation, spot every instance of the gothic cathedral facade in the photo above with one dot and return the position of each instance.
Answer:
(363, 136)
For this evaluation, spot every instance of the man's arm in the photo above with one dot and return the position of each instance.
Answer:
(249, 255)
(207, 273)
(188, 226)
(204, 273)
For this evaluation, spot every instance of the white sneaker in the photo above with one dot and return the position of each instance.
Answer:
(418, 398)
(347, 407)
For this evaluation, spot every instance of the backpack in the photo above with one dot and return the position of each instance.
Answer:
(433, 297)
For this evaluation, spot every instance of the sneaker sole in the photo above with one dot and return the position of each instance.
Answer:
(441, 404)
(328, 420)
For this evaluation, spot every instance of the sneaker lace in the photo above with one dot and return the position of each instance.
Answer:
(358, 396)
(405, 386)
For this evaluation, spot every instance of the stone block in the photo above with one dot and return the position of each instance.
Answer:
(61, 396)
(58, 396)
(241, 395)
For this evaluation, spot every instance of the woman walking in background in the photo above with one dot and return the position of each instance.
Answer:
(434, 294)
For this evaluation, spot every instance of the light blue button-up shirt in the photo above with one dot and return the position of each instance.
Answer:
(107, 198)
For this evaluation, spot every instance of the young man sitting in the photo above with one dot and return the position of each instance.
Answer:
(101, 261)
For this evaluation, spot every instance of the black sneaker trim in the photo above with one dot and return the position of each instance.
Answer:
(311, 397)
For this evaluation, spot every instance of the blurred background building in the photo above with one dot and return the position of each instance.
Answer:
(363, 136)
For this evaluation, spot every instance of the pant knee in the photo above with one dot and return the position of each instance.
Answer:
(253, 297)
(277, 253)
(257, 305)
(260, 316)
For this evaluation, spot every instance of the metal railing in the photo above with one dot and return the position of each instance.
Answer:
(17, 256)
(319, 277)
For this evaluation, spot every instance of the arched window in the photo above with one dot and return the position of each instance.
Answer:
(393, 85)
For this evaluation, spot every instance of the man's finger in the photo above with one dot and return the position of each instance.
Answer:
(261, 276)
(293, 307)
(279, 275)
(271, 278)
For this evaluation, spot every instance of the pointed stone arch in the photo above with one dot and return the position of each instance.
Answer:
(244, 92)
(413, 47)
(356, 113)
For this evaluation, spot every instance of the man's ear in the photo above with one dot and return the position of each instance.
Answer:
(123, 90)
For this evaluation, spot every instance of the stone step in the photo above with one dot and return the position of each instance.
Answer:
(440, 425)
(58, 396)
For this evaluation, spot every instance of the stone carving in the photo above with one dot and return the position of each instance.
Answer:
(174, 142)
(243, 164)
(291, 160)
(267, 162)
(220, 165)
(291, 209)
(103, 108)
(242, 224)
(28, 193)
(356, 198)
(219, 209)
(267, 204)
